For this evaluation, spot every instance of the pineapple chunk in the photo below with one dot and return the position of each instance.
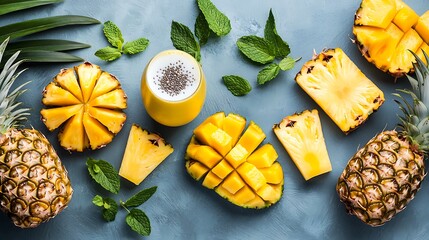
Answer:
(411, 41)
(263, 157)
(338, 86)
(143, 153)
(67, 80)
(106, 83)
(72, 137)
(54, 117)
(97, 93)
(405, 18)
(376, 13)
(113, 120)
(235, 175)
(302, 137)
(267, 193)
(424, 47)
(87, 74)
(56, 96)
(422, 27)
(97, 134)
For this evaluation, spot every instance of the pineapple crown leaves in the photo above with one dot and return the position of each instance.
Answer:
(415, 121)
(10, 113)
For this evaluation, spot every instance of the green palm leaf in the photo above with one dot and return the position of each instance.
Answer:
(8, 6)
(47, 56)
(56, 45)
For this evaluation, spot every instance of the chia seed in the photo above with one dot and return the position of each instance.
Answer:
(174, 79)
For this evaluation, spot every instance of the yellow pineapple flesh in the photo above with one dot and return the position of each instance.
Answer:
(143, 153)
(223, 154)
(385, 31)
(87, 104)
(302, 137)
(338, 86)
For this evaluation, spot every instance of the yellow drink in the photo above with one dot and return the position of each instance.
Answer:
(173, 88)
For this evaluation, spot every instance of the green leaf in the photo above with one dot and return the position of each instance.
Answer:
(237, 85)
(110, 209)
(139, 222)
(281, 48)
(46, 45)
(107, 177)
(268, 73)
(202, 30)
(108, 53)
(45, 56)
(256, 49)
(184, 40)
(218, 22)
(140, 197)
(25, 28)
(136, 46)
(287, 63)
(113, 34)
(13, 6)
(98, 201)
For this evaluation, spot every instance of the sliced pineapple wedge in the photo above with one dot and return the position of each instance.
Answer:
(223, 154)
(302, 137)
(143, 153)
(87, 99)
(385, 32)
(340, 88)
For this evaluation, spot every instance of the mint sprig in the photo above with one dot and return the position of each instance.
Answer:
(217, 21)
(266, 50)
(183, 39)
(237, 85)
(106, 175)
(114, 36)
(202, 29)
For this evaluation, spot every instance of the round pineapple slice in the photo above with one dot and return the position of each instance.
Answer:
(88, 103)
(227, 159)
(387, 30)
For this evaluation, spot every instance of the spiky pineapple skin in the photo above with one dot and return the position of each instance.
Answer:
(34, 186)
(381, 178)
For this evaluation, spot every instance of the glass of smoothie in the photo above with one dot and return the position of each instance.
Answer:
(173, 88)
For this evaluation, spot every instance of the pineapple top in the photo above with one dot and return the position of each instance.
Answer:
(415, 122)
(11, 114)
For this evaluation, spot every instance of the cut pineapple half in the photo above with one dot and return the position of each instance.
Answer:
(385, 46)
(84, 98)
(302, 137)
(143, 153)
(223, 154)
(335, 83)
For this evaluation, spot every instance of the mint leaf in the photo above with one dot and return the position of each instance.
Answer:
(139, 222)
(256, 49)
(136, 46)
(287, 63)
(140, 197)
(217, 21)
(268, 73)
(110, 209)
(104, 174)
(98, 200)
(108, 53)
(237, 85)
(113, 34)
(281, 48)
(184, 40)
(202, 30)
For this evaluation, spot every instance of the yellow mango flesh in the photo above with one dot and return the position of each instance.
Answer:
(236, 175)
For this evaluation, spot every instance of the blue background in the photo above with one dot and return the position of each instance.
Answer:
(181, 208)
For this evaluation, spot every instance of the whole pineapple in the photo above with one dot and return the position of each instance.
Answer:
(383, 176)
(34, 186)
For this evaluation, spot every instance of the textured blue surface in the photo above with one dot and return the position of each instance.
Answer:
(181, 208)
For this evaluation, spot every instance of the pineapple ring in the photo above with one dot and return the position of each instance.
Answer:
(88, 103)
(385, 31)
(226, 159)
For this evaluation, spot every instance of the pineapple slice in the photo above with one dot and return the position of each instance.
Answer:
(335, 83)
(386, 30)
(143, 153)
(94, 95)
(226, 158)
(302, 137)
